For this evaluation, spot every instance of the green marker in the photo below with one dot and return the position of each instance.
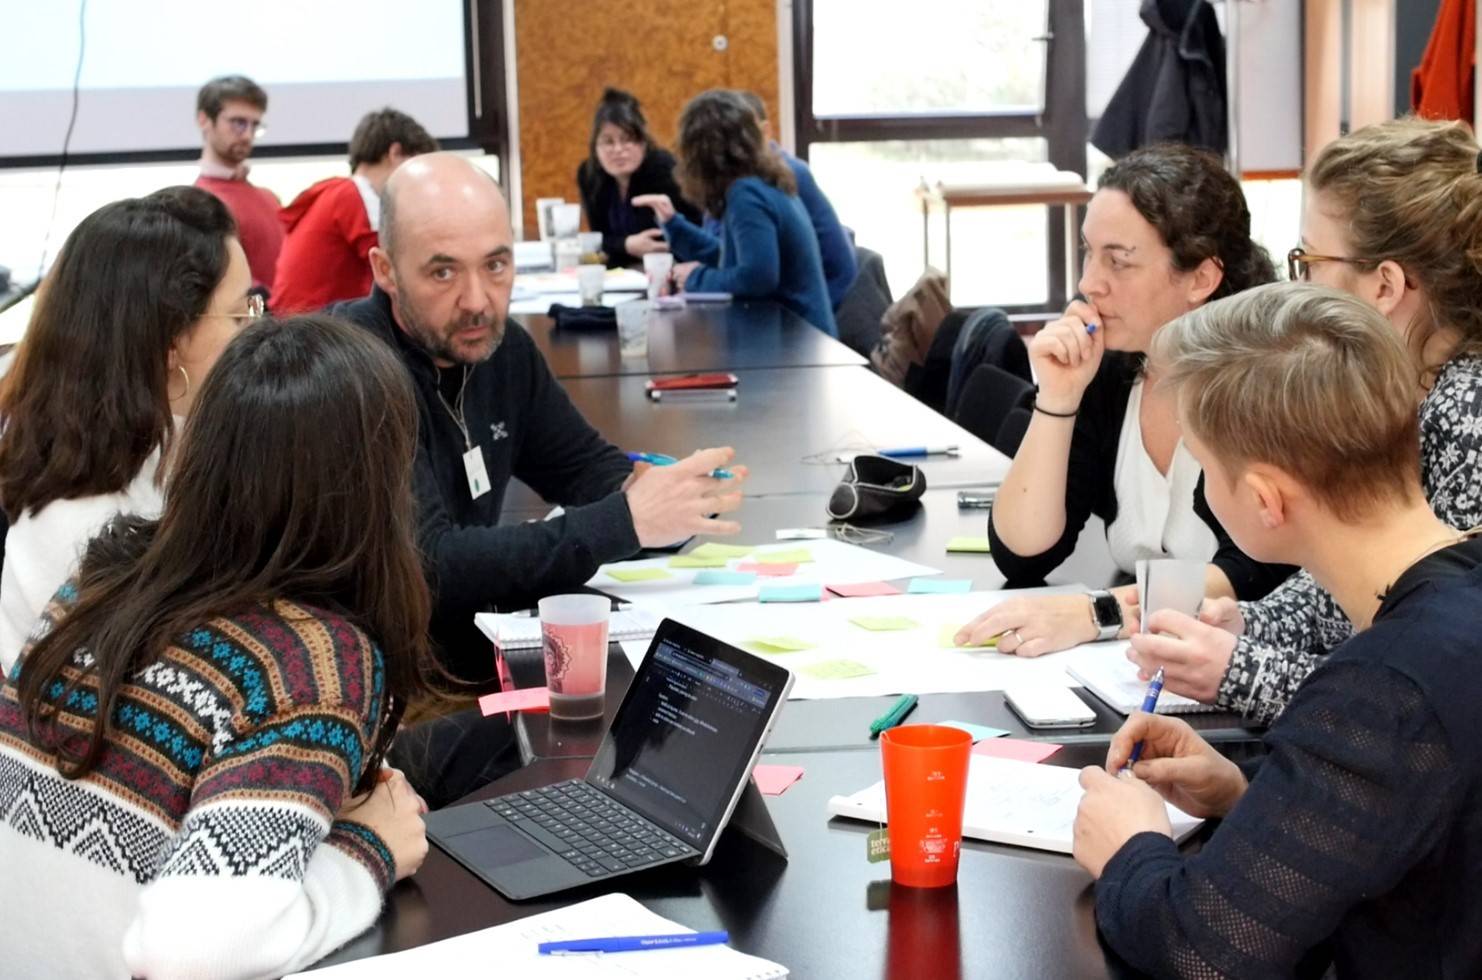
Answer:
(894, 716)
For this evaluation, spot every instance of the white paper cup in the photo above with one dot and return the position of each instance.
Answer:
(589, 283)
(632, 323)
(657, 266)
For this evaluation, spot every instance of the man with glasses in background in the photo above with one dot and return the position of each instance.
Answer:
(229, 111)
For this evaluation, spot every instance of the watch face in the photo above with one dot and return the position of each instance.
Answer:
(1107, 609)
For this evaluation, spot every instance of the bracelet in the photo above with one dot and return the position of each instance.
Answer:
(1055, 415)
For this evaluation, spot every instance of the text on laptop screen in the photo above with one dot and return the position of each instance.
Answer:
(677, 747)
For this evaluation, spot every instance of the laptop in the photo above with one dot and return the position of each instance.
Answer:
(670, 772)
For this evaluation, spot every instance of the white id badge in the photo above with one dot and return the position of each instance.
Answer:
(478, 477)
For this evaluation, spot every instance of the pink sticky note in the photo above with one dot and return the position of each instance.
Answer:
(864, 589)
(523, 699)
(767, 568)
(774, 780)
(1016, 748)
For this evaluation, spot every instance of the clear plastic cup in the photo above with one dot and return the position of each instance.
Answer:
(657, 266)
(574, 638)
(925, 792)
(589, 280)
(632, 325)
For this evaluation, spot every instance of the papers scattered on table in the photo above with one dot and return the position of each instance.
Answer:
(775, 780)
(510, 951)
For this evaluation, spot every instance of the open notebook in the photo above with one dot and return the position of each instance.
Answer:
(510, 632)
(509, 951)
(1009, 802)
(1106, 672)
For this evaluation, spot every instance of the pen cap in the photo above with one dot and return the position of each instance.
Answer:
(925, 791)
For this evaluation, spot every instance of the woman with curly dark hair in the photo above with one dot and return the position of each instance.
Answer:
(1167, 232)
(767, 248)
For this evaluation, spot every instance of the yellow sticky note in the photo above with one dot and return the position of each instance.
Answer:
(793, 556)
(780, 644)
(697, 561)
(969, 544)
(881, 624)
(713, 549)
(949, 631)
(638, 574)
(838, 670)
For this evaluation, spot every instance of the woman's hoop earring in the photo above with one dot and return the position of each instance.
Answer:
(183, 374)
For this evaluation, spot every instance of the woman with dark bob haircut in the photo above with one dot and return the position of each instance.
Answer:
(767, 248)
(623, 163)
(143, 297)
(216, 688)
(1167, 231)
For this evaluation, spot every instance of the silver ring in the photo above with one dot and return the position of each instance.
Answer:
(1018, 640)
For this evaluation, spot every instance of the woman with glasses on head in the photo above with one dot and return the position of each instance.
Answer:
(1393, 215)
(190, 750)
(143, 297)
(1167, 231)
(623, 163)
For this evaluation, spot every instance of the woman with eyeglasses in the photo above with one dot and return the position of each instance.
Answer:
(1167, 231)
(623, 163)
(1392, 214)
(141, 301)
(191, 778)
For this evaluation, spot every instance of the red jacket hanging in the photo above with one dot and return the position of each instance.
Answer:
(326, 251)
(1442, 87)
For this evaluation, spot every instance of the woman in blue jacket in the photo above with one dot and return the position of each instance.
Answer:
(767, 248)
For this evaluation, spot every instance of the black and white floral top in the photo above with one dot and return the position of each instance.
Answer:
(1289, 631)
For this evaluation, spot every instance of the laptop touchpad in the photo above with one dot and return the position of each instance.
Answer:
(498, 847)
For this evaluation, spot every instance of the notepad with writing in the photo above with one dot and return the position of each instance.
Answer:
(1107, 673)
(510, 951)
(523, 632)
(1009, 802)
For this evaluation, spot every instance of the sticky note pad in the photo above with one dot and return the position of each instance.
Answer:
(944, 638)
(774, 780)
(978, 732)
(976, 545)
(881, 624)
(864, 589)
(713, 549)
(838, 670)
(780, 644)
(715, 576)
(638, 574)
(940, 586)
(1016, 748)
(792, 556)
(693, 561)
(791, 593)
(769, 569)
(524, 699)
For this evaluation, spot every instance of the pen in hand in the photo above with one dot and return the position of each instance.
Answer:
(1149, 705)
(659, 459)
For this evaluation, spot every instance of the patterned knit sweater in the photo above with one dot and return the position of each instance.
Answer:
(194, 848)
(1290, 631)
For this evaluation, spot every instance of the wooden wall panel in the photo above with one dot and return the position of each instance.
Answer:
(567, 51)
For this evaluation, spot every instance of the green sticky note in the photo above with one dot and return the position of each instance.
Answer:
(638, 574)
(880, 624)
(877, 845)
(949, 631)
(838, 670)
(780, 644)
(976, 545)
(792, 556)
(694, 561)
(712, 549)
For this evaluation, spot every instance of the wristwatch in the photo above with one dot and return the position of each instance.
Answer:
(1106, 614)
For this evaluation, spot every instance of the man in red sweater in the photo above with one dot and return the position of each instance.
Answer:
(229, 111)
(332, 226)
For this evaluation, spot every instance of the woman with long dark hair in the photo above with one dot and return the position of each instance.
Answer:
(190, 752)
(622, 163)
(143, 297)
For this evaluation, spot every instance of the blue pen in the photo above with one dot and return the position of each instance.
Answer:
(904, 452)
(629, 944)
(1149, 705)
(1090, 328)
(659, 459)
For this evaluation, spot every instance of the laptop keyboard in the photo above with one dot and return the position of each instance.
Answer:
(589, 829)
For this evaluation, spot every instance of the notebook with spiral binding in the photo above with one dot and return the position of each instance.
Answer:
(1106, 672)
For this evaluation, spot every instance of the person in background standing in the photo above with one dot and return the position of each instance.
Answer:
(229, 112)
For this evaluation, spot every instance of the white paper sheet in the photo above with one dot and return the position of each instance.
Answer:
(834, 563)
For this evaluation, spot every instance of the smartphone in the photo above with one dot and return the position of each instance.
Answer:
(976, 499)
(693, 382)
(1043, 706)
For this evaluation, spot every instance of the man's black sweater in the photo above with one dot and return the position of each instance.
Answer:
(520, 417)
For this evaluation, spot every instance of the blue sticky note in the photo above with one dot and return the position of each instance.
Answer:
(717, 576)
(978, 732)
(940, 586)
(791, 593)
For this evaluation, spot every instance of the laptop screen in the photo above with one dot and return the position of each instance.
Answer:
(687, 730)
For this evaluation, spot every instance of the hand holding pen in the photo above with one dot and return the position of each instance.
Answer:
(670, 502)
(1184, 769)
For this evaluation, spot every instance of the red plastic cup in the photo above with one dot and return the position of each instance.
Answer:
(925, 791)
